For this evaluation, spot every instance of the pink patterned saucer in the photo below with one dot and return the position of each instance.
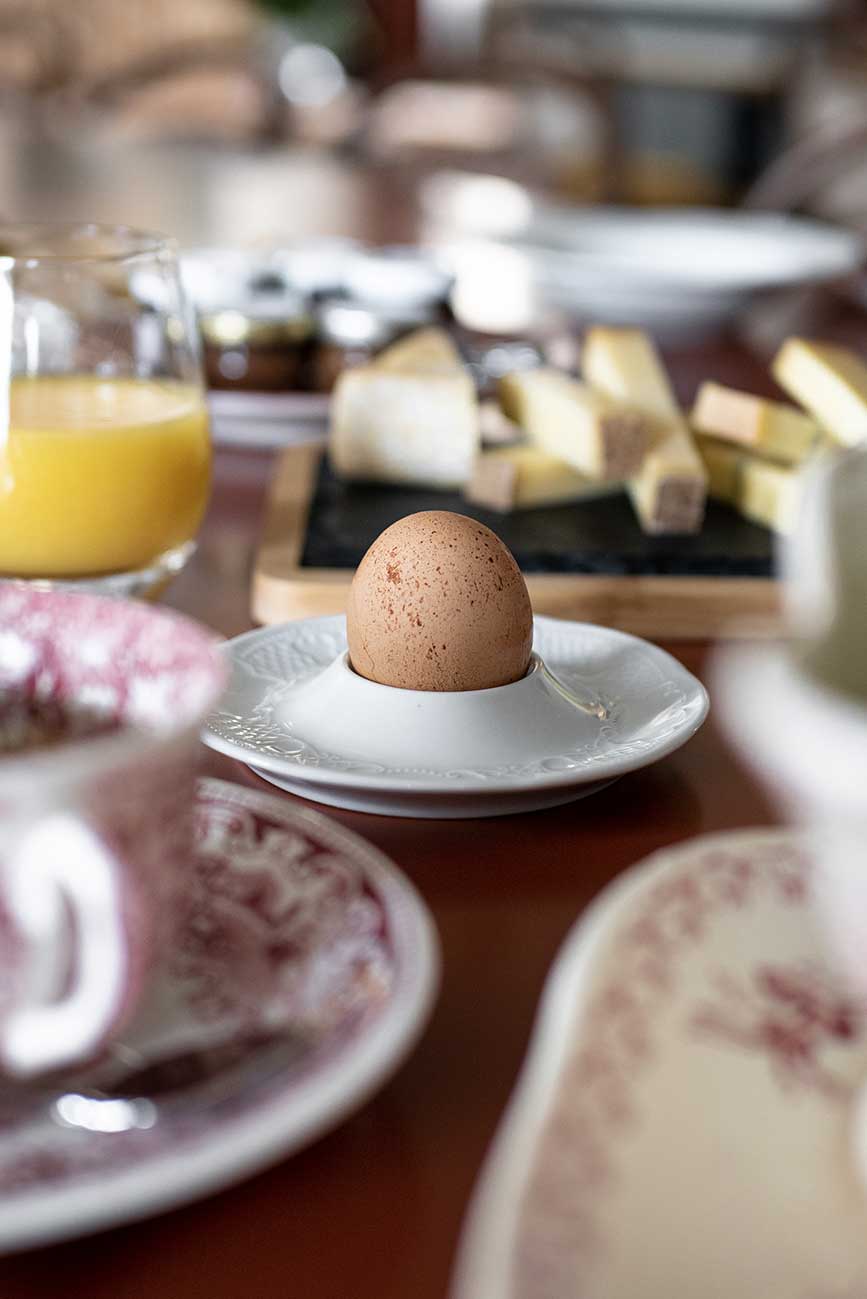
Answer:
(683, 1124)
(304, 969)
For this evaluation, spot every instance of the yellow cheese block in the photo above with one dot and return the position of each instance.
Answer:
(769, 427)
(524, 477)
(668, 490)
(830, 382)
(723, 464)
(586, 429)
(422, 351)
(770, 493)
(761, 490)
(393, 427)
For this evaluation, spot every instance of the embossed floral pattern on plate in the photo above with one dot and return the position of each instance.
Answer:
(653, 705)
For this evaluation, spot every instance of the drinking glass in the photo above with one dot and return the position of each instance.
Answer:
(104, 444)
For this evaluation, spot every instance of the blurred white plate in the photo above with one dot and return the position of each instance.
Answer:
(680, 272)
(677, 271)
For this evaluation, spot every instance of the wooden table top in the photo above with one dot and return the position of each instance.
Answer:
(373, 1209)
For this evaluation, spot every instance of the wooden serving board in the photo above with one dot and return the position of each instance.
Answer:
(659, 605)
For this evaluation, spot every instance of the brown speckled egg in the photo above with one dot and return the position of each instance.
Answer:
(438, 603)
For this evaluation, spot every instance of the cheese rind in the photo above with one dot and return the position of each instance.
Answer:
(404, 428)
(763, 491)
(770, 427)
(828, 381)
(566, 418)
(668, 490)
(525, 477)
(424, 351)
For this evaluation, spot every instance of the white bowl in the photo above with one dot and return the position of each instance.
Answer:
(681, 273)
(799, 714)
(810, 746)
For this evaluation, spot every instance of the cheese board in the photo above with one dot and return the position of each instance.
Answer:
(586, 561)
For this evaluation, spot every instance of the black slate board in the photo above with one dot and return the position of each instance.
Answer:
(599, 536)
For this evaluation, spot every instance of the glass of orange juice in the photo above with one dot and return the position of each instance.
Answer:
(104, 445)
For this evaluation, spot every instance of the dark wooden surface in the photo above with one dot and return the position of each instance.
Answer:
(373, 1209)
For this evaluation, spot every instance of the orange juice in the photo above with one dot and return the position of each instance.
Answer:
(99, 475)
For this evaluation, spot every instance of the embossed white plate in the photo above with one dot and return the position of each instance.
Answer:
(648, 705)
(683, 1124)
(303, 969)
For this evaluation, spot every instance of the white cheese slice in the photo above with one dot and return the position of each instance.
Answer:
(421, 351)
(668, 490)
(770, 427)
(585, 428)
(828, 381)
(761, 490)
(525, 477)
(404, 428)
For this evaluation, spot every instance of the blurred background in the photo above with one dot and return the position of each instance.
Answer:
(260, 122)
(642, 101)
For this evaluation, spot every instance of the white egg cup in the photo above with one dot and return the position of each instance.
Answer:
(794, 713)
(300, 717)
(439, 731)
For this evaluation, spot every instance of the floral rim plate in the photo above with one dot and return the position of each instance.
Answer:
(654, 705)
(683, 1123)
(304, 968)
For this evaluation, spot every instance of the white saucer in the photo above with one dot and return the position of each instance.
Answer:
(304, 969)
(683, 1124)
(264, 419)
(607, 704)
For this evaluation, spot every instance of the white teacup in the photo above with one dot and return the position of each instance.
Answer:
(101, 702)
(798, 713)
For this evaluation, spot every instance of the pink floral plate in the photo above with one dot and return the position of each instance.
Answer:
(682, 1126)
(304, 968)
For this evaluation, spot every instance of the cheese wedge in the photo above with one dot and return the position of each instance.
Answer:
(771, 428)
(625, 364)
(763, 491)
(723, 464)
(495, 427)
(668, 490)
(769, 493)
(830, 382)
(586, 429)
(404, 428)
(421, 352)
(524, 477)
